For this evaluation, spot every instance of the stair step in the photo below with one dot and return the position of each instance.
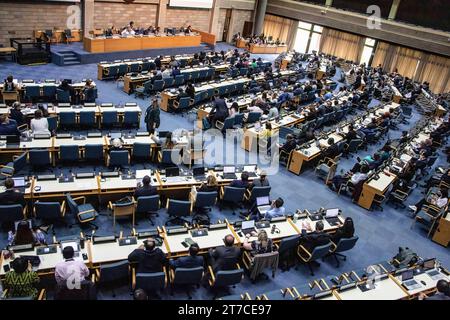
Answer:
(71, 59)
(70, 63)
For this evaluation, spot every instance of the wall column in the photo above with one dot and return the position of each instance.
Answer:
(214, 18)
(88, 16)
(260, 12)
(161, 14)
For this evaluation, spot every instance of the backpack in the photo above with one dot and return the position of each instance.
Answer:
(201, 219)
(405, 258)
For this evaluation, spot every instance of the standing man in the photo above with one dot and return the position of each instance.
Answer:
(152, 118)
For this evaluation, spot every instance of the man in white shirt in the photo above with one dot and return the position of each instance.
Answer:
(70, 271)
(128, 32)
(166, 73)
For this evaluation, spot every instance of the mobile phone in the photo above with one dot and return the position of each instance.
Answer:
(6, 268)
(185, 244)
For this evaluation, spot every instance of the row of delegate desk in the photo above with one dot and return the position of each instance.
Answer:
(45, 89)
(172, 241)
(204, 91)
(139, 42)
(256, 48)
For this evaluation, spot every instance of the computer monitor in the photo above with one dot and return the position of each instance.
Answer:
(19, 182)
(407, 275)
(163, 134)
(74, 244)
(248, 224)
(262, 201)
(250, 168)
(172, 172)
(331, 213)
(12, 139)
(229, 169)
(429, 264)
(198, 171)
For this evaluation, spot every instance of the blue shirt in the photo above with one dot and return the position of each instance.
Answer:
(275, 212)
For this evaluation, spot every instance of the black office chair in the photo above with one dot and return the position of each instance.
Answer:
(231, 196)
(50, 213)
(118, 159)
(11, 213)
(286, 249)
(316, 254)
(205, 200)
(112, 274)
(84, 212)
(185, 277)
(343, 245)
(148, 205)
(86, 291)
(178, 209)
(39, 159)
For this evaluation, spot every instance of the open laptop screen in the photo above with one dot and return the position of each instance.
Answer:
(229, 169)
(251, 168)
(262, 201)
(172, 172)
(248, 224)
(331, 213)
(19, 182)
(407, 275)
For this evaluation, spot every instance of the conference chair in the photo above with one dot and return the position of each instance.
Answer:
(120, 210)
(169, 157)
(168, 82)
(258, 263)
(148, 205)
(131, 119)
(32, 92)
(253, 117)
(109, 119)
(141, 151)
(62, 96)
(243, 71)
(183, 104)
(84, 212)
(87, 119)
(344, 244)
(14, 167)
(353, 146)
(308, 257)
(39, 158)
(257, 192)
(428, 216)
(185, 277)
(118, 159)
(149, 282)
(49, 91)
(12, 213)
(67, 119)
(135, 67)
(52, 123)
(158, 85)
(179, 80)
(86, 291)
(205, 200)
(286, 249)
(112, 274)
(225, 278)
(69, 153)
(238, 120)
(231, 196)
(50, 213)
(177, 209)
(326, 168)
(144, 90)
(227, 124)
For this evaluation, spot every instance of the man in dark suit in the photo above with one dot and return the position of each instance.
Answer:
(219, 111)
(225, 258)
(11, 196)
(443, 292)
(158, 62)
(190, 90)
(147, 257)
(314, 239)
(332, 150)
(146, 189)
(191, 261)
(242, 183)
(156, 76)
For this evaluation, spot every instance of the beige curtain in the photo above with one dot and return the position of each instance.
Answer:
(436, 70)
(407, 61)
(280, 28)
(341, 44)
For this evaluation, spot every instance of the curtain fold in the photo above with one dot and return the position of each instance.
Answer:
(280, 28)
(435, 70)
(341, 44)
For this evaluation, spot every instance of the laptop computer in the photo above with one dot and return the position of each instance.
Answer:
(229, 172)
(263, 204)
(331, 216)
(74, 244)
(248, 226)
(408, 281)
(429, 266)
(12, 141)
(19, 182)
(199, 173)
(172, 172)
(251, 170)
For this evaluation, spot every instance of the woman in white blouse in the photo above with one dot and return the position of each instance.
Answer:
(39, 124)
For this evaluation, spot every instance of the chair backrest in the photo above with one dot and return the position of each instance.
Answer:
(147, 203)
(158, 85)
(346, 244)
(67, 118)
(179, 80)
(86, 291)
(228, 123)
(253, 117)
(47, 210)
(32, 91)
(150, 281)
(73, 206)
(109, 117)
(114, 271)
(238, 119)
(233, 194)
(288, 244)
(118, 158)
(20, 162)
(52, 123)
(11, 213)
(124, 209)
(188, 276)
(170, 156)
(320, 251)
(260, 192)
(49, 91)
(205, 199)
(168, 82)
(39, 157)
(87, 117)
(179, 208)
(62, 96)
(93, 152)
(131, 118)
(69, 153)
(354, 144)
(225, 278)
(141, 150)
(184, 103)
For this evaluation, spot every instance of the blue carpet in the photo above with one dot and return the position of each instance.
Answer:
(380, 233)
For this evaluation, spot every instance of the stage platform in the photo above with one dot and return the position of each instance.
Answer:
(72, 54)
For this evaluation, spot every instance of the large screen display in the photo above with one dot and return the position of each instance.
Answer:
(205, 4)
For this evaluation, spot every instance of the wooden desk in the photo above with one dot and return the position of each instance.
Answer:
(267, 48)
(427, 284)
(442, 233)
(374, 187)
(386, 289)
(103, 44)
(55, 189)
(241, 43)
